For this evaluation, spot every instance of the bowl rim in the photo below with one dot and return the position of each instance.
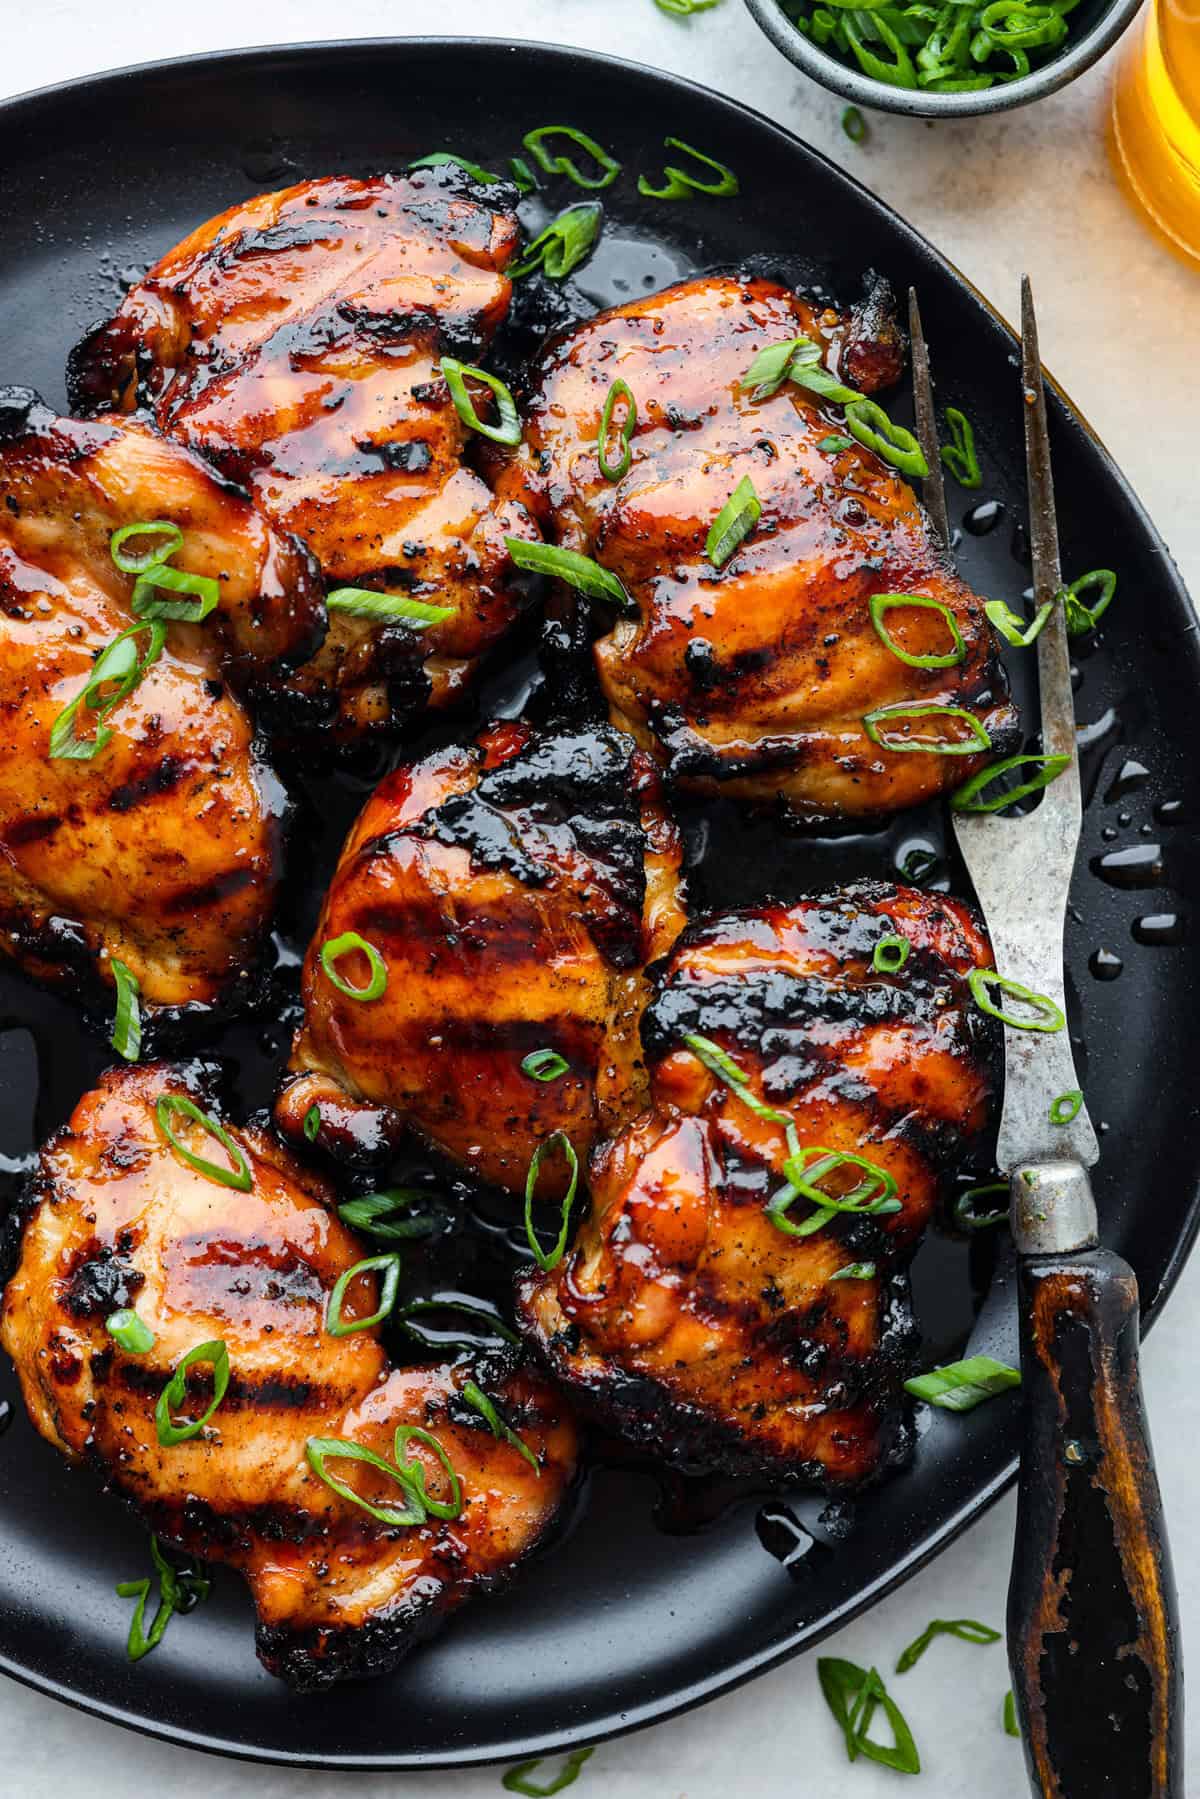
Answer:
(864, 90)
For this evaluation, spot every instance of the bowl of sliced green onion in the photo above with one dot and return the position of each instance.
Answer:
(943, 58)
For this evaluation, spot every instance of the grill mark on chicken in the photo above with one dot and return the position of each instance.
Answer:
(682, 1316)
(295, 342)
(753, 679)
(112, 1214)
(515, 891)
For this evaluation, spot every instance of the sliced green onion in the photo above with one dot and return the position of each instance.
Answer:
(127, 1022)
(879, 603)
(873, 428)
(117, 662)
(440, 157)
(873, 1196)
(874, 724)
(334, 948)
(412, 1473)
(726, 1069)
(855, 1271)
(413, 1309)
(853, 1695)
(1019, 24)
(1065, 1109)
(478, 1400)
(455, 375)
(534, 142)
(679, 184)
(567, 241)
(335, 1324)
(769, 369)
(544, 1065)
(204, 589)
(518, 1780)
(854, 125)
(896, 71)
(961, 1386)
(1012, 627)
(580, 572)
(158, 528)
(966, 798)
(1081, 618)
(131, 1332)
(378, 1214)
(1011, 1727)
(178, 1592)
(968, 1219)
(547, 1261)
(366, 602)
(1047, 1015)
(612, 471)
(683, 9)
(891, 953)
(167, 1106)
(175, 1392)
(736, 519)
(967, 1630)
(312, 1124)
(959, 456)
(835, 443)
(523, 176)
(318, 1451)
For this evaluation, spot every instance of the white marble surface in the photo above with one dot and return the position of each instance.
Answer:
(1029, 190)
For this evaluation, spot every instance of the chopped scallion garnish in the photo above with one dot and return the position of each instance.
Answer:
(967, 1218)
(204, 592)
(312, 1124)
(567, 241)
(967, 1630)
(1011, 1727)
(116, 672)
(854, 125)
(1012, 627)
(618, 392)
(412, 1472)
(389, 1265)
(519, 1779)
(456, 374)
(1066, 1107)
(544, 1065)
(967, 797)
(366, 602)
(440, 157)
(552, 164)
(875, 725)
(679, 183)
(804, 1169)
(381, 1214)
(1081, 618)
(320, 1451)
(879, 603)
(834, 443)
(350, 943)
(166, 539)
(1047, 1015)
(891, 953)
(959, 456)
(174, 1393)
(131, 1332)
(580, 572)
(855, 1271)
(127, 1022)
(853, 1695)
(549, 1260)
(178, 1591)
(875, 431)
(683, 9)
(522, 174)
(169, 1106)
(961, 1386)
(478, 1400)
(736, 519)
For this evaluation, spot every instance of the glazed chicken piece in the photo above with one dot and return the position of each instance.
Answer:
(684, 1315)
(116, 1218)
(514, 890)
(295, 341)
(753, 679)
(162, 848)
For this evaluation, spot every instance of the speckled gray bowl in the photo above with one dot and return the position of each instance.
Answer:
(1094, 26)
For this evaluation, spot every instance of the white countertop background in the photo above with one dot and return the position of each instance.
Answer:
(1120, 328)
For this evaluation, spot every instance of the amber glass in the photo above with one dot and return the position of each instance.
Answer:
(1156, 121)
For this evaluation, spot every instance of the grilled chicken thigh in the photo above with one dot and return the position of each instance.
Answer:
(514, 891)
(162, 848)
(753, 679)
(117, 1218)
(295, 340)
(685, 1315)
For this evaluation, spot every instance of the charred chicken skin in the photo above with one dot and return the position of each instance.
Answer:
(753, 679)
(295, 341)
(117, 1218)
(162, 847)
(684, 1315)
(514, 891)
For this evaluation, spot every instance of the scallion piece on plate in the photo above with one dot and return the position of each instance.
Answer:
(127, 1021)
(1081, 618)
(1011, 1727)
(834, 443)
(680, 182)
(165, 539)
(439, 158)
(131, 1332)
(566, 242)
(544, 1065)
(178, 1590)
(1012, 627)
(347, 944)
(1066, 1107)
(312, 1124)
(320, 1451)
(891, 953)
(389, 1266)
(893, 443)
(881, 603)
(961, 1386)
(383, 1214)
(174, 1393)
(968, 1217)
(520, 1779)
(558, 163)
(959, 455)
(365, 602)
(579, 572)
(547, 1260)
(170, 1106)
(456, 375)
(968, 797)
(201, 595)
(683, 9)
(854, 125)
(115, 673)
(429, 1337)
(804, 1169)
(736, 519)
(1043, 1014)
(523, 176)
(492, 1416)
(412, 1472)
(853, 1695)
(613, 469)
(876, 724)
(855, 1271)
(967, 1630)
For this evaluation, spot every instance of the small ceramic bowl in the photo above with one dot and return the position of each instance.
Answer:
(1093, 27)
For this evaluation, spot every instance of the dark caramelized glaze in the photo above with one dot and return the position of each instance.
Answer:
(115, 1217)
(683, 1315)
(294, 340)
(515, 890)
(164, 848)
(753, 679)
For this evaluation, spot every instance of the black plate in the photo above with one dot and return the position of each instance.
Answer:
(624, 1621)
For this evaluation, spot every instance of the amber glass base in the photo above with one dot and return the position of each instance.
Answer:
(1155, 132)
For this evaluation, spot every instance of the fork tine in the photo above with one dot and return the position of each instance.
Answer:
(1054, 662)
(934, 489)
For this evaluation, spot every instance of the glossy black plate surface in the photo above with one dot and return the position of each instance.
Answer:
(623, 1620)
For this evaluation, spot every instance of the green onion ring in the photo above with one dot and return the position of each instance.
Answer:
(579, 572)
(549, 1261)
(440, 158)
(497, 1424)
(733, 524)
(968, 746)
(174, 1393)
(455, 375)
(118, 661)
(155, 527)
(349, 941)
(239, 1176)
(875, 430)
(366, 602)
(127, 1021)
(613, 471)
(534, 142)
(1066, 1107)
(413, 1472)
(335, 1324)
(879, 603)
(517, 1780)
(205, 589)
(320, 1450)
(959, 456)
(968, 1219)
(961, 1386)
(966, 798)
(680, 184)
(891, 953)
(980, 980)
(1081, 618)
(131, 1332)
(1012, 627)
(566, 242)
(544, 1065)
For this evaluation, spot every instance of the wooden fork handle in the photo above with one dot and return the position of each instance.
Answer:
(1093, 1629)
